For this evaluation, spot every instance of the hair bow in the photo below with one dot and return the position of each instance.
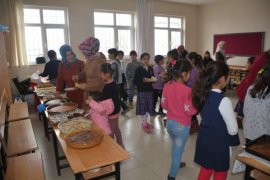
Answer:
(173, 62)
(261, 71)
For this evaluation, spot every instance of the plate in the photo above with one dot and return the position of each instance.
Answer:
(74, 125)
(56, 100)
(70, 89)
(84, 138)
(61, 108)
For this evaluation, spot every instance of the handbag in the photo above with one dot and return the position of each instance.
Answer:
(40, 60)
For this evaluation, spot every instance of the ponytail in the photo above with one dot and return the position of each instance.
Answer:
(209, 76)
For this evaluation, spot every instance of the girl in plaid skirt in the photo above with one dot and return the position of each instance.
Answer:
(143, 79)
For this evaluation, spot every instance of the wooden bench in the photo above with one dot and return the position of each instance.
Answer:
(21, 138)
(18, 111)
(25, 167)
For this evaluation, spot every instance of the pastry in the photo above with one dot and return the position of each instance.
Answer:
(74, 125)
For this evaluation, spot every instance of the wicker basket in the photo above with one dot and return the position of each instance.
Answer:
(84, 138)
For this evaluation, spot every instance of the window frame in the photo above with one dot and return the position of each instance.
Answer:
(181, 30)
(44, 26)
(118, 27)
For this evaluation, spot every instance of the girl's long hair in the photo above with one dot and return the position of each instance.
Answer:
(195, 58)
(261, 87)
(178, 69)
(209, 76)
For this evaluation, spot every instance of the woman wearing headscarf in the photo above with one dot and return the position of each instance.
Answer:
(220, 52)
(207, 58)
(91, 72)
(68, 68)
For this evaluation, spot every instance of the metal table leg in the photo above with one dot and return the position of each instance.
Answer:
(117, 171)
(247, 173)
(45, 123)
(78, 176)
(56, 153)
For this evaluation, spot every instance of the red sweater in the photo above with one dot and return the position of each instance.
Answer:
(258, 63)
(176, 99)
(64, 80)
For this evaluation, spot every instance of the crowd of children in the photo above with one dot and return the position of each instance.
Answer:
(186, 85)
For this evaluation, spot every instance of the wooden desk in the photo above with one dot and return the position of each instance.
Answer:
(82, 160)
(236, 75)
(252, 163)
(26, 167)
(237, 68)
(21, 138)
(18, 111)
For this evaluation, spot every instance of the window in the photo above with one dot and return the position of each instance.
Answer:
(45, 29)
(168, 33)
(114, 29)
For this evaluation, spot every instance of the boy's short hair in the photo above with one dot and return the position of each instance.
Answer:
(145, 54)
(251, 59)
(106, 68)
(133, 53)
(52, 54)
(120, 53)
(113, 51)
(159, 58)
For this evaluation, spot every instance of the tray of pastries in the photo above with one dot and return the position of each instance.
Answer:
(56, 118)
(74, 124)
(84, 138)
(260, 147)
(62, 107)
(44, 85)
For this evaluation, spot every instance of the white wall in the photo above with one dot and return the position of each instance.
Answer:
(81, 22)
(233, 16)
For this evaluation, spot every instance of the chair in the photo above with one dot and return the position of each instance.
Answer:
(23, 87)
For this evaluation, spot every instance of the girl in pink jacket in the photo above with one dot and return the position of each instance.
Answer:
(100, 108)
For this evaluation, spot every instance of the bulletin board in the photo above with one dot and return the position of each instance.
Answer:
(241, 44)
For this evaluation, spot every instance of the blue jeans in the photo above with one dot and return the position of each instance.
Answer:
(131, 91)
(179, 134)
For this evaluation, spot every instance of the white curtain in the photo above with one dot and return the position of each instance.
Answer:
(145, 27)
(15, 41)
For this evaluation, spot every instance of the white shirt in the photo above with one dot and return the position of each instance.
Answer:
(226, 110)
(257, 116)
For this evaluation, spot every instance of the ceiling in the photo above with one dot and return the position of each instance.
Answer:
(194, 2)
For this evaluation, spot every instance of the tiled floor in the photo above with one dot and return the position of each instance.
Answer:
(150, 153)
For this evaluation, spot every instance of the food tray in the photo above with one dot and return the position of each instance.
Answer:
(260, 147)
(44, 85)
(74, 124)
(61, 108)
(56, 100)
(84, 138)
(56, 118)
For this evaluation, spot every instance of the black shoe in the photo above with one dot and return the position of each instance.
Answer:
(165, 122)
(162, 113)
(156, 113)
(171, 178)
(125, 110)
(182, 164)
